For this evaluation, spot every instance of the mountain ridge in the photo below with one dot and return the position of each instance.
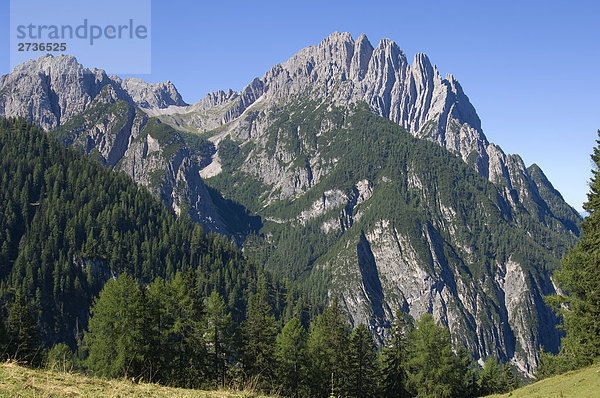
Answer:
(285, 149)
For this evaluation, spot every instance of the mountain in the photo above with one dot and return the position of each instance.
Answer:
(96, 112)
(345, 167)
(68, 225)
(51, 90)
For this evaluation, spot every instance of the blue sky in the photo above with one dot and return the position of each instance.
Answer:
(530, 68)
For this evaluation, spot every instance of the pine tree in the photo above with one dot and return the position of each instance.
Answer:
(395, 358)
(291, 357)
(24, 341)
(580, 279)
(363, 363)
(218, 336)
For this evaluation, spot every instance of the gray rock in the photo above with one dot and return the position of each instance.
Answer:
(50, 90)
(152, 95)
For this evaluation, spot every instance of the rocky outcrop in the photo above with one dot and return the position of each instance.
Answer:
(50, 90)
(505, 317)
(155, 155)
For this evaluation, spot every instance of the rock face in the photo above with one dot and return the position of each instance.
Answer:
(370, 221)
(50, 90)
(155, 155)
(151, 95)
(396, 223)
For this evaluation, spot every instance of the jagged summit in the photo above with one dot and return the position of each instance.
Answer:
(51, 89)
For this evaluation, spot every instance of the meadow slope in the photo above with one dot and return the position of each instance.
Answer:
(17, 381)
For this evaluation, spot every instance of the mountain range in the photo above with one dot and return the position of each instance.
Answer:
(347, 168)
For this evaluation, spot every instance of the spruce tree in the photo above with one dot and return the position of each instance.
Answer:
(181, 348)
(433, 365)
(491, 378)
(328, 344)
(579, 277)
(24, 340)
(363, 363)
(259, 332)
(218, 336)
(510, 380)
(291, 357)
(395, 358)
(465, 373)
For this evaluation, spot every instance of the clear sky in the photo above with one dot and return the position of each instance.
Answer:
(530, 68)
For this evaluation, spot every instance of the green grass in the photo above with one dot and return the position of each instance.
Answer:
(581, 383)
(17, 381)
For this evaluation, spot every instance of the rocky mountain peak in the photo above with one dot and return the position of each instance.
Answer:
(152, 95)
(363, 50)
(51, 89)
(414, 95)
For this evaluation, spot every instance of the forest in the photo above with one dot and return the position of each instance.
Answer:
(99, 277)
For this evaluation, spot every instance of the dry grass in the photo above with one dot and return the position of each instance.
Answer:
(17, 381)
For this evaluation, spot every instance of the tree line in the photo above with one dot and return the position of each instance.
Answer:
(167, 332)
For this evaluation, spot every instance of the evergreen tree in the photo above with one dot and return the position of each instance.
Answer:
(120, 340)
(433, 365)
(259, 332)
(218, 336)
(496, 379)
(466, 371)
(24, 341)
(62, 359)
(395, 358)
(181, 348)
(291, 357)
(3, 339)
(510, 380)
(363, 363)
(491, 378)
(580, 278)
(327, 346)
(550, 364)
